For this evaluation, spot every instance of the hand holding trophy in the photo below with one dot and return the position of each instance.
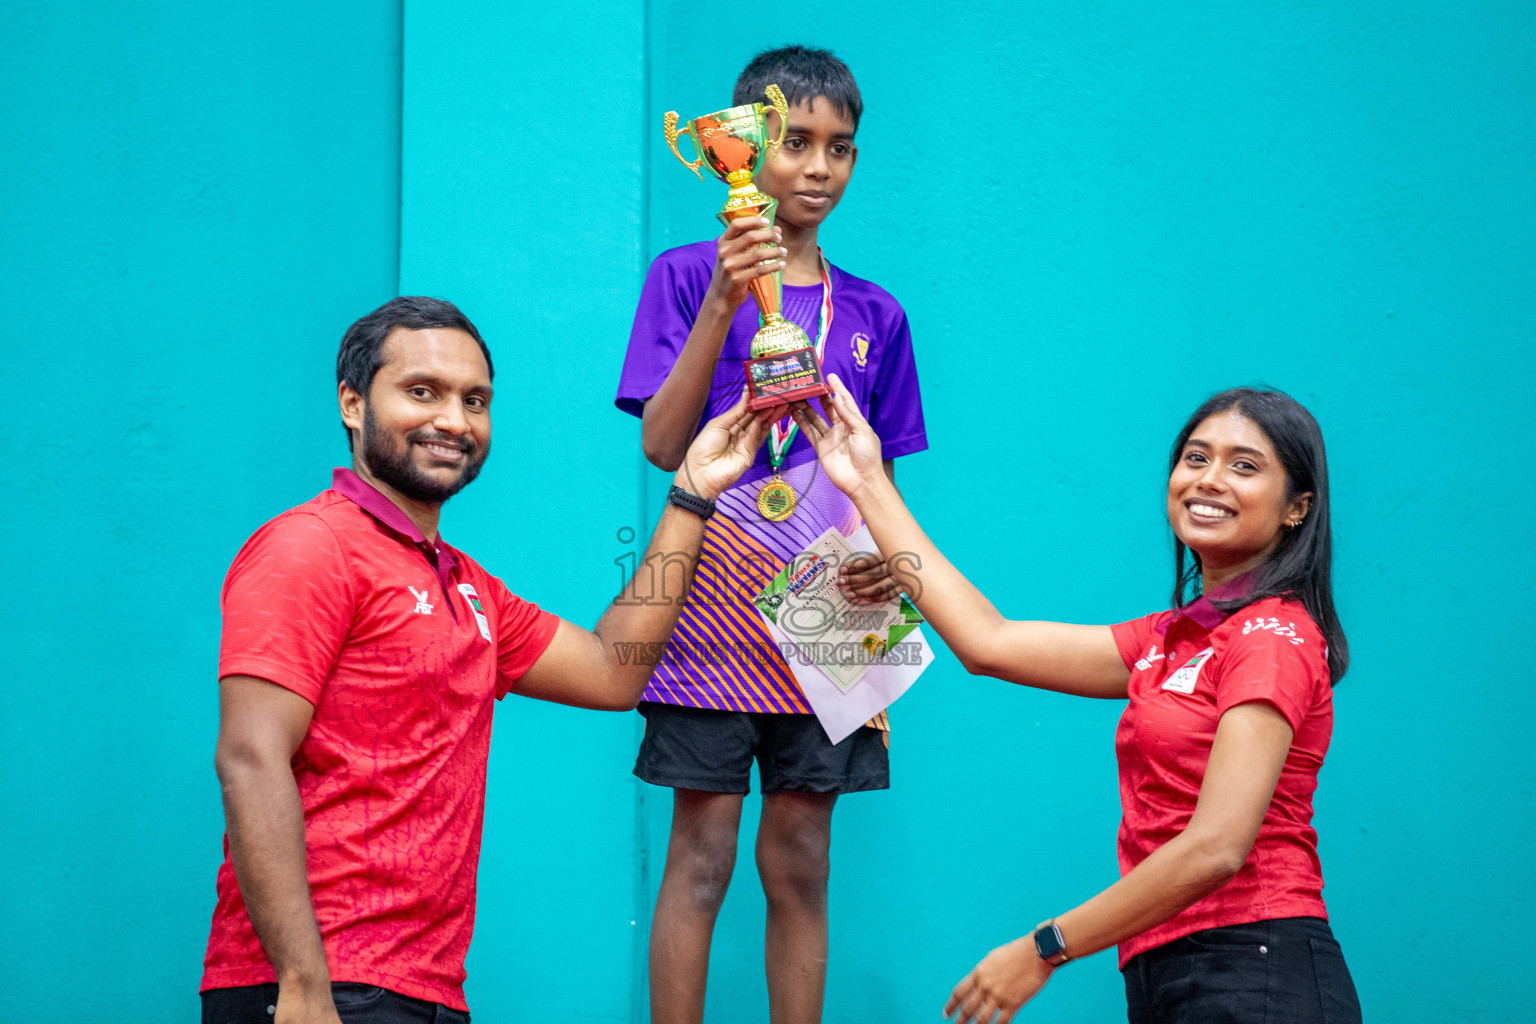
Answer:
(846, 445)
(731, 143)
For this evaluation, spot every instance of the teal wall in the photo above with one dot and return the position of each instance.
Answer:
(195, 200)
(1095, 216)
(524, 208)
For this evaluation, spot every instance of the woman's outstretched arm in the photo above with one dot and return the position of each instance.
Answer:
(1049, 655)
(1247, 756)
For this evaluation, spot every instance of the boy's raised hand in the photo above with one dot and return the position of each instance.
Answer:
(748, 249)
(847, 446)
(724, 448)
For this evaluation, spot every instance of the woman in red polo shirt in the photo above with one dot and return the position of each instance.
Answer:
(1218, 913)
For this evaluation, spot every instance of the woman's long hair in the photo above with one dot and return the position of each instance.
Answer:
(1301, 567)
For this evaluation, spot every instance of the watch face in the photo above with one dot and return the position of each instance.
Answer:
(1048, 942)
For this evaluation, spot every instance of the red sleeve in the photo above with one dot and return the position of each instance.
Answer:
(523, 634)
(1134, 637)
(1277, 656)
(287, 605)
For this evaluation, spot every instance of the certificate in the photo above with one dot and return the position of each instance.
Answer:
(844, 692)
(841, 639)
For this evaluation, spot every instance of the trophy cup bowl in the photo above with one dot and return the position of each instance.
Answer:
(732, 144)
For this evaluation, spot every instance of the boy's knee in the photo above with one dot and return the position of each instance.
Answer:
(706, 863)
(796, 868)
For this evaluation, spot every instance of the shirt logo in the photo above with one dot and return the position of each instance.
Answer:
(1183, 681)
(468, 590)
(422, 607)
(860, 350)
(1152, 655)
(1273, 625)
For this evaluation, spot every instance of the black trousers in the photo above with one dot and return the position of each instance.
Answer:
(1290, 969)
(355, 1004)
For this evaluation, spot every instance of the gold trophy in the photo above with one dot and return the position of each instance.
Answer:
(731, 143)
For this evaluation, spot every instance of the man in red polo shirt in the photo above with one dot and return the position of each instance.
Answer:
(360, 661)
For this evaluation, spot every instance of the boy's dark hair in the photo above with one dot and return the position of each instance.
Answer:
(804, 73)
(1301, 568)
(362, 347)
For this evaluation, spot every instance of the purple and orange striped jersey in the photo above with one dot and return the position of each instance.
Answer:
(721, 655)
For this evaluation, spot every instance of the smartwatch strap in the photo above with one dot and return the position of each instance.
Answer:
(701, 507)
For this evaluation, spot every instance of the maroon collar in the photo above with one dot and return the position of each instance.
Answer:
(1202, 611)
(371, 500)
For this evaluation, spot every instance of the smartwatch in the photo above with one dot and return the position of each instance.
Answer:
(701, 507)
(1050, 945)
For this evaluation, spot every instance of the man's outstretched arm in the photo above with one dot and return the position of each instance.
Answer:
(261, 725)
(608, 666)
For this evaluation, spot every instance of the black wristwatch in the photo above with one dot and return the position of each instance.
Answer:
(1050, 945)
(701, 507)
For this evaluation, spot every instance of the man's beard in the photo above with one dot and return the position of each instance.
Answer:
(393, 465)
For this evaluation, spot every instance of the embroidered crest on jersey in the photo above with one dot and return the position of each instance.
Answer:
(860, 347)
(1183, 681)
(422, 605)
(1273, 625)
(468, 590)
(1153, 654)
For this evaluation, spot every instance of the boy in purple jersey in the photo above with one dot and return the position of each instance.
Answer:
(723, 693)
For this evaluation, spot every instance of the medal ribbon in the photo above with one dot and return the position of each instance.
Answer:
(781, 437)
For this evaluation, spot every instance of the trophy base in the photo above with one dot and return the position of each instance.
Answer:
(784, 377)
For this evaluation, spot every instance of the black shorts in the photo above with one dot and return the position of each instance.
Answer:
(356, 1003)
(700, 748)
(1288, 969)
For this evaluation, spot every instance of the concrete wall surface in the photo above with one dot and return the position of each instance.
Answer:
(197, 200)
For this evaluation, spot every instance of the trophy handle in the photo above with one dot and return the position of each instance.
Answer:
(669, 129)
(776, 97)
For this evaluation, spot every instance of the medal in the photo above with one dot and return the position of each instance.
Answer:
(777, 500)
